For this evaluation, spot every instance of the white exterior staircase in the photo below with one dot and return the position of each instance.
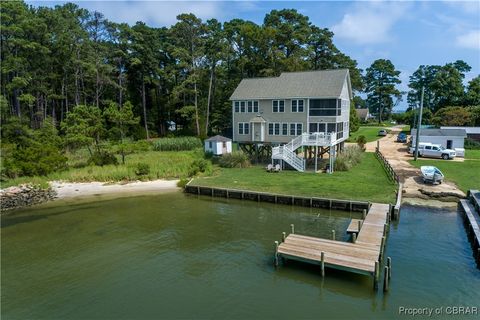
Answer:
(287, 152)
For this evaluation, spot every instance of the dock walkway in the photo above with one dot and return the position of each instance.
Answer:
(361, 257)
(470, 208)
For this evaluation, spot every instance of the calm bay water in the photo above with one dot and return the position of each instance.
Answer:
(179, 256)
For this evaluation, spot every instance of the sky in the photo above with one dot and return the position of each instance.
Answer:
(409, 33)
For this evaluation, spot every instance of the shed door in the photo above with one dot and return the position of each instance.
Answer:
(449, 144)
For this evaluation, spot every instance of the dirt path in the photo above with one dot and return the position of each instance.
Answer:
(413, 186)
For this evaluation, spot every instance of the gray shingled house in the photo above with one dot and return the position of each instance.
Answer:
(297, 111)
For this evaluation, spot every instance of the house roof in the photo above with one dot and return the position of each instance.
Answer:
(440, 132)
(258, 119)
(362, 113)
(321, 84)
(218, 138)
(469, 130)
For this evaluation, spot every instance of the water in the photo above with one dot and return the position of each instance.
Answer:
(179, 256)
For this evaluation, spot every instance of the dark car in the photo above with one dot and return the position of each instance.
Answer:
(402, 137)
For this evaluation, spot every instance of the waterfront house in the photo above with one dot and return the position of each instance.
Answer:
(292, 112)
(363, 114)
(218, 145)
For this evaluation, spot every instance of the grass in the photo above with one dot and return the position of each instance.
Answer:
(371, 133)
(163, 165)
(366, 181)
(466, 175)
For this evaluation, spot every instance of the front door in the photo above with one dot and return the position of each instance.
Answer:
(449, 144)
(258, 131)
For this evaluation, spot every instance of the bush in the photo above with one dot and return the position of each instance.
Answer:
(198, 166)
(472, 144)
(142, 169)
(177, 144)
(348, 158)
(235, 159)
(102, 158)
(361, 141)
(182, 182)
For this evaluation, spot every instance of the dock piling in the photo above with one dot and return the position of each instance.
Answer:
(386, 279)
(375, 276)
(364, 214)
(293, 228)
(354, 237)
(276, 254)
(333, 234)
(389, 265)
(284, 235)
(360, 222)
(322, 263)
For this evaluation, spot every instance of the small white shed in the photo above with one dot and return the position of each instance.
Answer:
(218, 145)
(447, 138)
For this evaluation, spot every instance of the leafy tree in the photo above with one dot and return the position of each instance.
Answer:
(472, 96)
(354, 120)
(380, 81)
(84, 126)
(123, 119)
(452, 116)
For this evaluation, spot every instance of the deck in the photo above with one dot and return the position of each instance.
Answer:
(361, 257)
(470, 208)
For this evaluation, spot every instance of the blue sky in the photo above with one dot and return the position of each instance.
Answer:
(406, 32)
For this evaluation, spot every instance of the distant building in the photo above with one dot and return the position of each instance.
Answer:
(363, 114)
(218, 145)
(447, 138)
(472, 132)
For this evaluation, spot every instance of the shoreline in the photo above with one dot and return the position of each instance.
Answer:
(72, 190)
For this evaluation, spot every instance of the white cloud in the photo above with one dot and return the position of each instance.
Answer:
(370, 22)
(470, 40)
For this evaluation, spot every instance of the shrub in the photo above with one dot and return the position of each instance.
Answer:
(235, 159)
(197, 166)
(472, 144)
(208, 155)
(361, 141)
(177, 144)
(348, 158)
(142, 169)
(182, 182)
(102, 158)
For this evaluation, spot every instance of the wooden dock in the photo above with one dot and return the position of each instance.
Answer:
(361, 257)
(470, 208)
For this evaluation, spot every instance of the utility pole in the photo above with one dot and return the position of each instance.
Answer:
(419, 124)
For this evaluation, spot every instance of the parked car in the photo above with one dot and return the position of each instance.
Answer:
(433, 151)
(402, 137)
(382, 132)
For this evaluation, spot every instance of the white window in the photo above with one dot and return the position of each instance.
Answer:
(237, 106)
(255, 106)
(242, 106)
(243, 128)
(277, 129)
(270, 129)
(297, 105)
(249, 106)
(299, 128)
(292, 129)
(278, 105)
(284, 129)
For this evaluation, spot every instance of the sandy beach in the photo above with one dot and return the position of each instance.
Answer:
(69, 190)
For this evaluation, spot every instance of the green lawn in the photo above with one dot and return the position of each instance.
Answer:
(366, 182)
(163, 165)
(465, 174)
(371, 133)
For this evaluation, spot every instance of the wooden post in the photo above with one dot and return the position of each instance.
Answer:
(378, 146)
(354, 237)
(375, 277)
(316, 158)
(293, 228)
(284, 235)
(364, 214)
(385, 280)
(322, 263)
(389, 265)
(382, 247)
(359, 225)
(384, 229)
(333, 234)
(275, 261)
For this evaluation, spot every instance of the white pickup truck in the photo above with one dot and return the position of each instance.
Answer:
(433, 151)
